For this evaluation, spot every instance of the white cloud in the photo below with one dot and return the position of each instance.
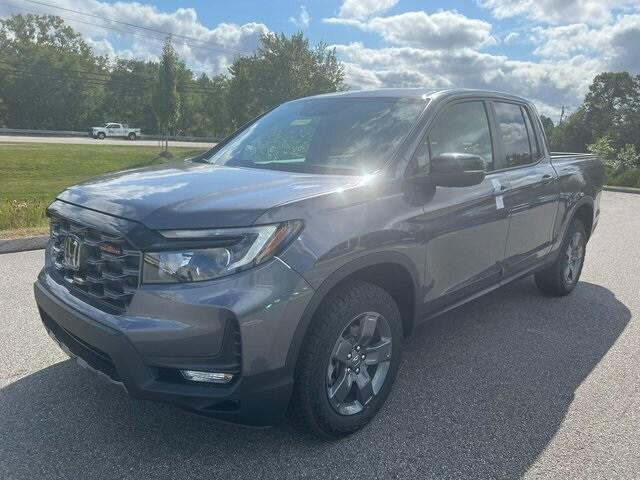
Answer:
(303, 19)
(549, 84)
(617, 44)
(510, 37)
(572, 42)
(361, 9)
(442, 29)
(595, 12)
(212, 50)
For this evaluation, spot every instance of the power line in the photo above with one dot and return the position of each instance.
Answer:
(141, 27)
(106, 75)
(190, 67)
(88, 80)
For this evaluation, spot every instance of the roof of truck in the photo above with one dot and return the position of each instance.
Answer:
(421, 92)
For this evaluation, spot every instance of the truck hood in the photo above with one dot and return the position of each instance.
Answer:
(188, 195)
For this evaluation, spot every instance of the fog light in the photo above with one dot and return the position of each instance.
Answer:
(208, 377)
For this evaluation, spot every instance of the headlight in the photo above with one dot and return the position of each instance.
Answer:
(238, 250)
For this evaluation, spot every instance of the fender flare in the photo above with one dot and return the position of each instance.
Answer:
(334, 279)
(582, 201)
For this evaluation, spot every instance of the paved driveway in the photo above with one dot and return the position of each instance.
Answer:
(513, 384)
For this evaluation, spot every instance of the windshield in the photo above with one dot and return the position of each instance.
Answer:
(324, 135)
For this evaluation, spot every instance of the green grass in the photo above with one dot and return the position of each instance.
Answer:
(32, 174)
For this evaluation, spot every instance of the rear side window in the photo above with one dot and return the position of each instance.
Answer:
(459, 128)
(533, 138)
(515, 138)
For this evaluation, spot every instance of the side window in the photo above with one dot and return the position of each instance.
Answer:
(511, 122)
(459, 128)
(533, 138)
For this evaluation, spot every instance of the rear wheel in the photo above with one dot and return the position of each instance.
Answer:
(561, 277)
(349, 360)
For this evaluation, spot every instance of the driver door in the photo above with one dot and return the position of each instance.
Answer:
(466, 226)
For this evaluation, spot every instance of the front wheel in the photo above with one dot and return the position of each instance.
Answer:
(561, 277)
(132, 136)
(101, 136)
(349, 360)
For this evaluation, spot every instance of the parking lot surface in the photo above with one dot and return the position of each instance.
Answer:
(511, 385)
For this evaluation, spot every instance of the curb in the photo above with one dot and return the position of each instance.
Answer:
(621, 189)
(23, 244)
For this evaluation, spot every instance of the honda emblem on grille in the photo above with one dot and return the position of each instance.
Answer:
(72, 251)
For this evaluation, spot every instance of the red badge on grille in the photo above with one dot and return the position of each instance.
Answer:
(109, 248)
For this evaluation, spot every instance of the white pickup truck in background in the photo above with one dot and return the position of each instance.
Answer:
(121, 130)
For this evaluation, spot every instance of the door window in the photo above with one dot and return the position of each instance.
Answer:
(535, 144)
(459, 128)
(517, 145)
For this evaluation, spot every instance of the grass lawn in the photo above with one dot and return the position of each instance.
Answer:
(31, 174)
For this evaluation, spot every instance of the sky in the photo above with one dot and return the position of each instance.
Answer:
(545, 50)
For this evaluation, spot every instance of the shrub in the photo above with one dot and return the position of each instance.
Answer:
(616, 162)
(630, 178)
(628, 158)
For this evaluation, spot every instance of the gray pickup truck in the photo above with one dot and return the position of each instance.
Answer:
(283, 269)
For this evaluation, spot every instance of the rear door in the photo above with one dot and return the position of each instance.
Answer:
(532, 199)
(114, 130)
(467, 226)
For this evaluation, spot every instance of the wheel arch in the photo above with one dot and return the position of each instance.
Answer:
(390, 270)
(585, 213)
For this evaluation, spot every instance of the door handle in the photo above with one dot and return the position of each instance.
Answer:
(547, 178)
(501, 190)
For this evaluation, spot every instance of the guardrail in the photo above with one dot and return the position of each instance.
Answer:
(73, 133)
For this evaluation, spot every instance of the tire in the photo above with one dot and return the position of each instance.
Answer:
(101, 135)
(562, 276)
(319, 374)
(131, 136)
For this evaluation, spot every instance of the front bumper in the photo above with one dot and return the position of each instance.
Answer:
(242, 324)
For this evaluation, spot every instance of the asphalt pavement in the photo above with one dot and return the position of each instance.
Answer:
(13, 139)
(511, 385)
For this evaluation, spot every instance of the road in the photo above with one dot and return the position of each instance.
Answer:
(511, 385)
(12, 139)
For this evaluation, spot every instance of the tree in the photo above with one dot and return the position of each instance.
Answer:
(217, 108)
(3, 114)
(548, 125)
(283, 68)
(128, 96)
(573, 135)
(166, 100)
(612, 107)
(49, 76)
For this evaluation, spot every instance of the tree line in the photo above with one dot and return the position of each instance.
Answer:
(50, 78)
(607, 123)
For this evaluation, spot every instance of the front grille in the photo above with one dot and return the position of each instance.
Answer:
(104, 270)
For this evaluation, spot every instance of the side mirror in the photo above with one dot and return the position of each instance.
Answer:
(457, 170)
